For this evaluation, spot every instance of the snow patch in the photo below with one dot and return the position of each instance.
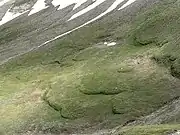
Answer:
(127, 4)
(110, 44)
(95, 4)
(38, 6)
(177, 133)
(55, 3)
(10, 16)
(112, 7)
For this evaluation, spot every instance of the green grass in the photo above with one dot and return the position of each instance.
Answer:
(77, 84)
(160, 26)
(150, 130)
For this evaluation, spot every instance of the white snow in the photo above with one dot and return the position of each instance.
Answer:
(112, 7)
(10, 16)
(65, 3)
(92, 6)
(127, 4)
(3, 2)
(177, 133)
(38, 6)
(56, 3)
(111, 44)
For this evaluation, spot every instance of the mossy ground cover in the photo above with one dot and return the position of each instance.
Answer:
(78, 83)
(150, 130)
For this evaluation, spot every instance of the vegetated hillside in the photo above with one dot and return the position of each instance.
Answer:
(78, 84)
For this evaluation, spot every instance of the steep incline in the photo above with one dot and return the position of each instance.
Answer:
(19, 49)
(90, 67)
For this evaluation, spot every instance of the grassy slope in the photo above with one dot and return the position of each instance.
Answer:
(149, 130)
(79, 84)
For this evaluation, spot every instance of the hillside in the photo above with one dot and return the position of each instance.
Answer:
(112, 70)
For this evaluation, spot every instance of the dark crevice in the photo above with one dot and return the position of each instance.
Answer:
(137, 42)
(126, 70)
(53, 106)
(56, 62)
(76, 59)
(128, 122)
(60, 64)
(100, 93)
